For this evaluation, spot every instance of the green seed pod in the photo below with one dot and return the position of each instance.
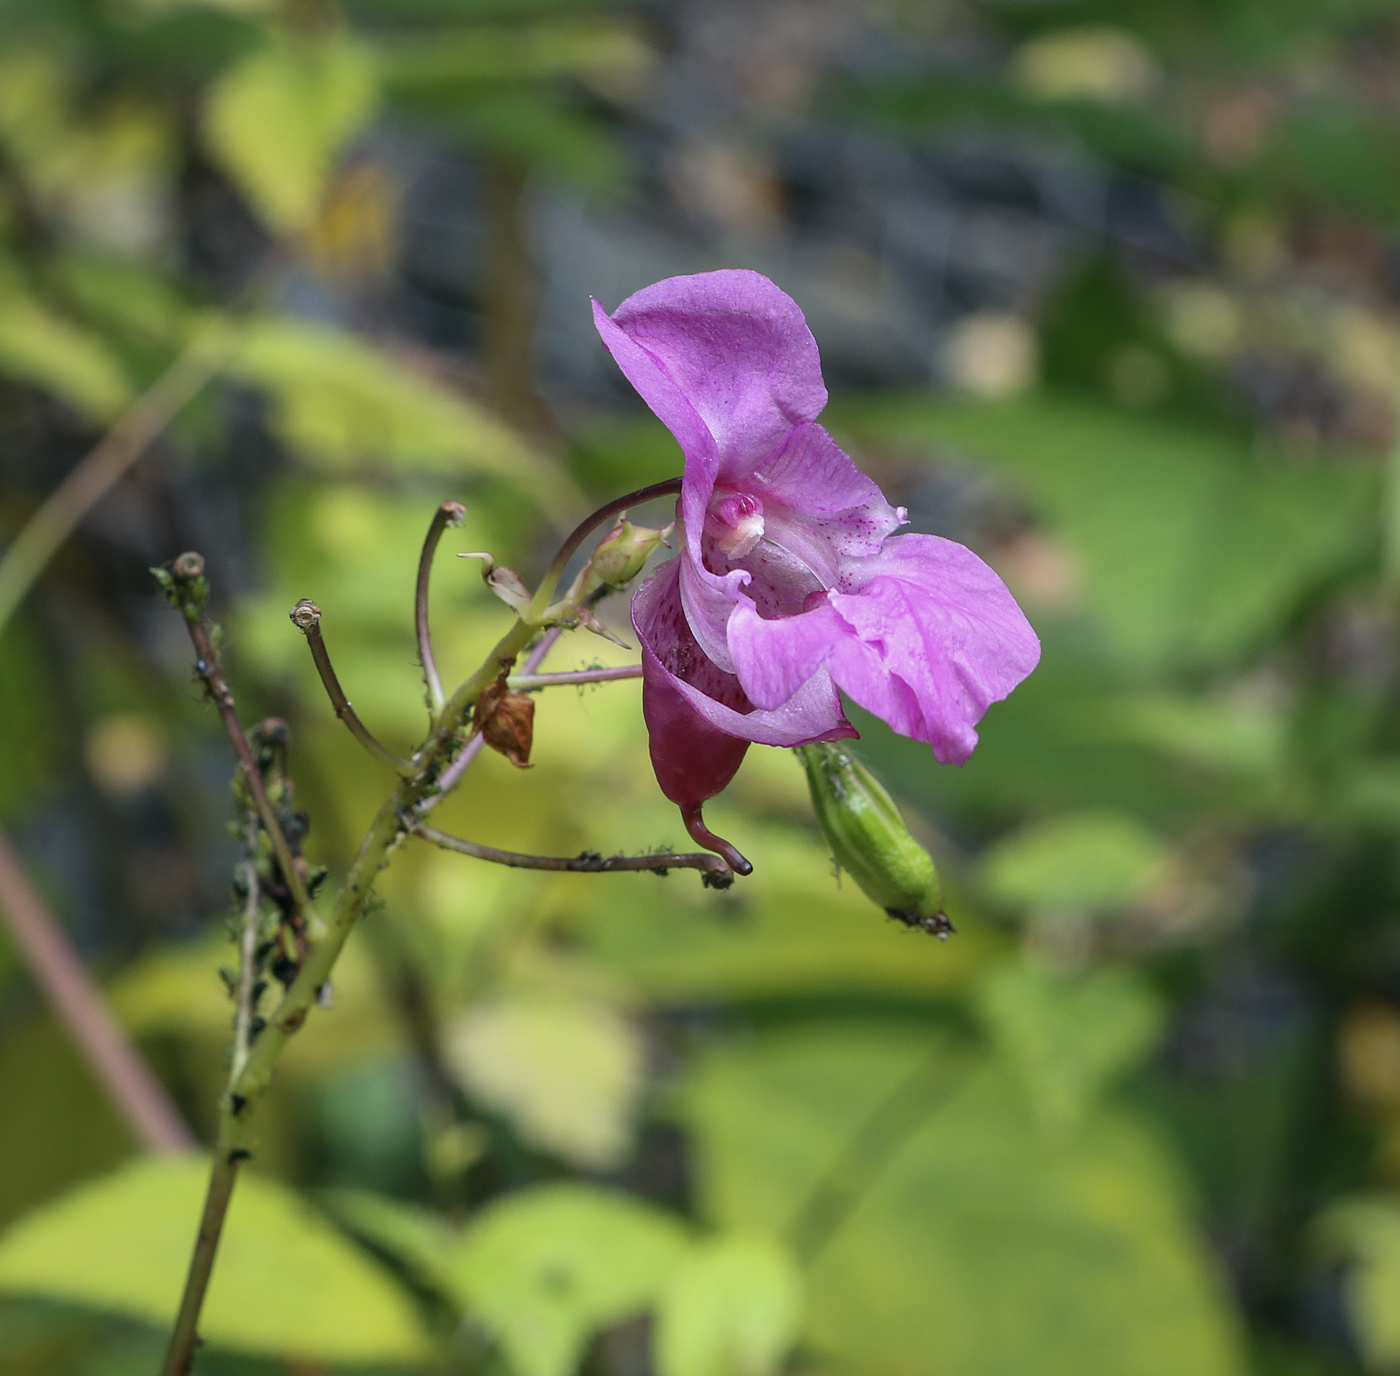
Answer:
(620, 556)
(870, 841)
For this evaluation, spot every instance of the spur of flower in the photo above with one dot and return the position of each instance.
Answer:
(790, 585)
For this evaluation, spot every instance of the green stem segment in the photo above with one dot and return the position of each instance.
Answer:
(530, 683)
(184, 1338)
(384, 836)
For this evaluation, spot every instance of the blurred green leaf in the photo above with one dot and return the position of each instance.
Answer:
(342, 403)
(1066, 1036)
(544, 48)
(1366, 1229)
(45, 349)
(419, 1240)
(287, 1282)
(733, 1308)
(1090, 862)
(920, 109)
(978, 1245)
(1333, 154)
(792, 930)
(280, 118)
(538, 129)
(544, 1269)
(122, 297)
(565, 1070)
(1194, 551)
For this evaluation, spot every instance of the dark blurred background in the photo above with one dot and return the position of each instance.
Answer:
(1109, 292)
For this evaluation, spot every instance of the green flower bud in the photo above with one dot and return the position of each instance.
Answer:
(870, 841)
(620, 556)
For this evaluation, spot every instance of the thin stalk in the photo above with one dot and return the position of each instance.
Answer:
(60, 973)
(247, 965)
(448, 514)
(530, 683)
(589, 862)
(185, 1338)
(187, 569)
(306, 617)
(114, 453)
(670, 488)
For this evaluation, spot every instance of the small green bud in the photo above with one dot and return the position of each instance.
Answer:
(870, 841)
(621, 554)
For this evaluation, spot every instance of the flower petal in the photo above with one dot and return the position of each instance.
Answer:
(686, 752)
(947, 634)
(811, 485)
(774, 657)
(734, 347)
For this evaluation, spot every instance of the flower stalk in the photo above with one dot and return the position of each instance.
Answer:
(448, 514)
(306, 617)
(714, 870)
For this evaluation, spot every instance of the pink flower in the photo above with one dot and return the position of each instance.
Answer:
(790, 583)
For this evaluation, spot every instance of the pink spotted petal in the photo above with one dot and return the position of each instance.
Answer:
(811, 485)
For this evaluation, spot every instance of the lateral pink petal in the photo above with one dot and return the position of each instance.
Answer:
(774, 658)
(947, 633)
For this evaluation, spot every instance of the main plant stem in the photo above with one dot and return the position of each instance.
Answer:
(414, 794)
(247, 1086)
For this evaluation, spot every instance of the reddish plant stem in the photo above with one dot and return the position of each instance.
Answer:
(189, 567)
(60, 973)
(306, 617)
(529, 683)
(712, 866)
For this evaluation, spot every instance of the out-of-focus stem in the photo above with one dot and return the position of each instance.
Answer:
(113, 454)
(247, 964)
(60, 973)
(511, 291)
(448, 514)
(712, 866)
(865, 1156)
(306, 617)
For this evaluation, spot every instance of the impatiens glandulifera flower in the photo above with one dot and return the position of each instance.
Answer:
(790, 582)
